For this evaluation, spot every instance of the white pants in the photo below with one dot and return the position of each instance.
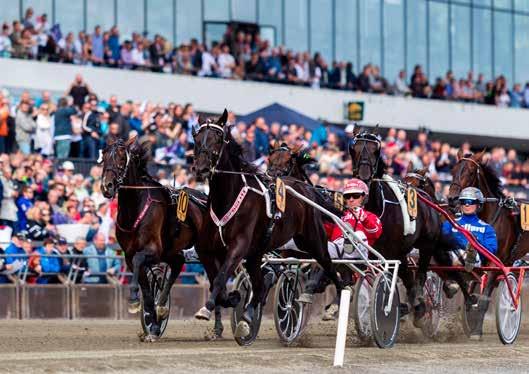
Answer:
(338, 250)
(457, 254)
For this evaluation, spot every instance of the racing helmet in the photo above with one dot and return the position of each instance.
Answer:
(355, 185)
(473, 194)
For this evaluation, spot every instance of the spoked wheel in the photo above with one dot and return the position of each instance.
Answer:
(433, 298)
(157, 277)
(362, 307)
(290, 315)
(470, 314)
(244, 286)
(385, 319)
(508, 318)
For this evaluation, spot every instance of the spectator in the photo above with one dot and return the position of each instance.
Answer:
(16, 256)
(91, 133)
(24, 202)
(5, 42)
(401, 88)
(226, 62)
(516, 96)
(78, 263)
(43, 134)
(98, 267)
(35, 225)
(97, 49)
(49, 266)
(63, 127)
(8, 209)
(79, 90)
(25, 127)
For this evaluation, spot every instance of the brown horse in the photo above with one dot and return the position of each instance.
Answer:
(498, 210)
(368, 165)
(419, 179)
(235, 186)
(146, 227)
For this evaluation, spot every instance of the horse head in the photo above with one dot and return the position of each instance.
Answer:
(419, 179)
(116, 158)
(365, 154)
(210, 140)
(465, 173)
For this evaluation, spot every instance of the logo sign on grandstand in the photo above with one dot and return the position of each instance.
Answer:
(281, 195)
(181, 206)
(412, 202)
(355, 111)
(524, 216)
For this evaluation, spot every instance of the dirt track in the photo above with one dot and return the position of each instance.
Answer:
(113, 346)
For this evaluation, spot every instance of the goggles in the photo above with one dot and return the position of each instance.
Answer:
(354, 195)
(468, 202)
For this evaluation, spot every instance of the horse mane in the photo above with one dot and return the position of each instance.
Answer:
(235, 154)
(493, 181)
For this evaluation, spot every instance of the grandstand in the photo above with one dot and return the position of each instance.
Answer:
(428, 72)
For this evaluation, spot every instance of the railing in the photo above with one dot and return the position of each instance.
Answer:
(72, 300)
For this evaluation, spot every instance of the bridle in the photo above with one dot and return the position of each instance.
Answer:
(364, 151)
(419, 177)
(212, 155)
(284, 171)
(475, 181)
(120, 172)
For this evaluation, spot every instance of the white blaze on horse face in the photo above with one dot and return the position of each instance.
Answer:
(100, 158)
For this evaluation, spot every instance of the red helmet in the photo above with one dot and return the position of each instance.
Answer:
(355, 186)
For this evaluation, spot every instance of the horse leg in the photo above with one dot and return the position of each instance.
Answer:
(175, 262)
(149, 312)
(219, 328)
(232, 260)
(425, 255)
(138, 261)
(407, 279)
(253, 267)
(442, 257)
(312, 243)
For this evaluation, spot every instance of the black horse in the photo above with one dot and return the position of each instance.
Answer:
(248, 227)
(147, 228)
(368, 165)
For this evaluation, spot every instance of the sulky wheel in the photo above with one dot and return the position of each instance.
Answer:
(470, 314)
(243, 284)
(156, 279)
(385, 319)
(433, 298)
(361, 308)
(508, 318)
(290, 315)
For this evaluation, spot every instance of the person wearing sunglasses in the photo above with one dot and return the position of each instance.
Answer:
(471, 201)
(366, 225)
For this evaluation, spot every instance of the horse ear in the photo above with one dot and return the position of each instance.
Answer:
(131, 141)
(422, 172)
(296, 149)
(410, 168)
(357, 130)
(274, 145)
(478, 157)
(223, 118)
(460, 154)
(375, 130)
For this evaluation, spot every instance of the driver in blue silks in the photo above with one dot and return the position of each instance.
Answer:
(471, 200)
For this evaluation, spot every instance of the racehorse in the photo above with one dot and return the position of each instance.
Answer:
(248, 227)
(471, 171)
(419, 179)
(146, 227)
(368, 165)
(288, 162)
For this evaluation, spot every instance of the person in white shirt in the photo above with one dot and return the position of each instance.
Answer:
(401, 88)
(44, 133)
(209, 65)
(226, 62)
(5, 42)
(137, 56)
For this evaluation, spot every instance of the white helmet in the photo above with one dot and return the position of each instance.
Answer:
(472, 193)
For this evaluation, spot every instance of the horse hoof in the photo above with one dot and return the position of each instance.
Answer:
(242, 330)
(419, 322)
(134, 307)
(203, 314)
(141, 335)
(162, 312)
(212, 335)
(476, 337)
(306, 298)
(150, 338)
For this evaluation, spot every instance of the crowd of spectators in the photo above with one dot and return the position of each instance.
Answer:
(241, 56)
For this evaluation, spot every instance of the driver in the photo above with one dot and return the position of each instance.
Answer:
(471, 200)
(366, 225)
